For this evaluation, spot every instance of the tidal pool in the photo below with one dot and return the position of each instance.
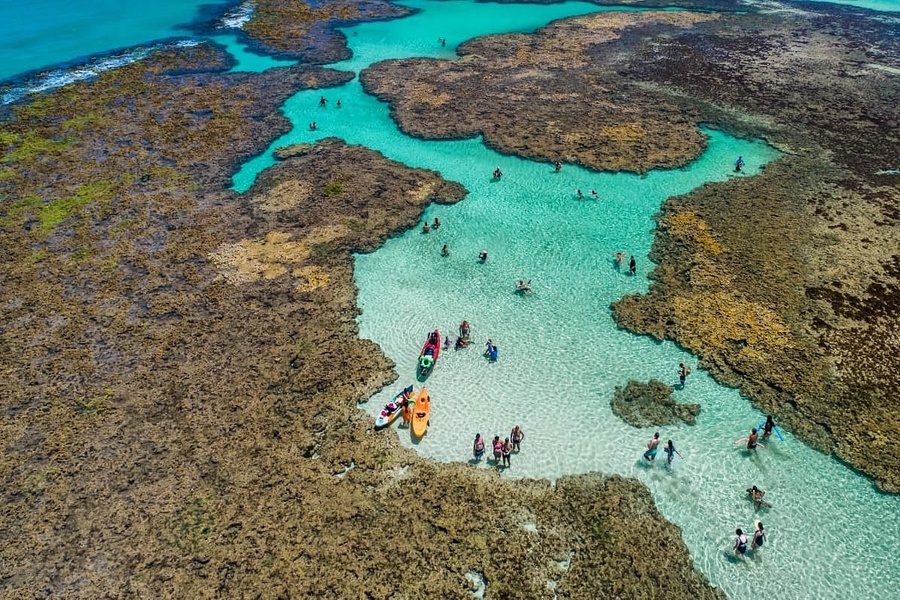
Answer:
(831, 533)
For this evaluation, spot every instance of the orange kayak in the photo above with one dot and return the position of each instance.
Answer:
(420, 413)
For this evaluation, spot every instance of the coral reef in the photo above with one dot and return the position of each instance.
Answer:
(305, 30)
(785, 284)
(648, 404)
(181, 371)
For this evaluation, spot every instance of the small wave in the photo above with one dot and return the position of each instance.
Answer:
(62, 77)
(237, 17)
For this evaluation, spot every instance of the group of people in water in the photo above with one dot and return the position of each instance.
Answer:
(323, 102)
(620, 261)
(502, 449)
(755, 494)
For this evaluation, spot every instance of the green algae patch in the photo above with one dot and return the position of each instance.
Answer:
(96, 404)
(53, 213)
(334, 189)
(19, 208)
(192, 526)
(36, 257)
(30, 146)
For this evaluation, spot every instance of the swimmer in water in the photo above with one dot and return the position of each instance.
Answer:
(445, 251)
(756, 495)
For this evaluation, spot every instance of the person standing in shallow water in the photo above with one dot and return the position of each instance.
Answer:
(740, 542)
(497, 446)
(506, 452)
(759, 536)
(478, 447)
(632, 266)
(683, 372)
(516, 435)
(652, 447)
(671, 452)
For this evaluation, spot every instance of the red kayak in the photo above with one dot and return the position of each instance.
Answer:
(430, 352)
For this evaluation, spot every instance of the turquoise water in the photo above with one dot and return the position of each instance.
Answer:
(247, 60)
(832, 535)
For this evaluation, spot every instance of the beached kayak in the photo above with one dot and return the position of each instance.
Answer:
(420, 413)
(392, 409)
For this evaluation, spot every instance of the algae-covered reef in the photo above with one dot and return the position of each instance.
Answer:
(181, 369)
(787, 284)
(305, 30)
(650, 404)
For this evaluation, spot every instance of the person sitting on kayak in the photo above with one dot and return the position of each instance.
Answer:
(433, 338)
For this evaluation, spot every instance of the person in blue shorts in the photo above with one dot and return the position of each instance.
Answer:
(652, 447)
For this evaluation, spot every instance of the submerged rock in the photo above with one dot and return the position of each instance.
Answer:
(285, 152)
(650, 404)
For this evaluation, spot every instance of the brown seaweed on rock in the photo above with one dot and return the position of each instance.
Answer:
(181, 368)
(650, 404)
